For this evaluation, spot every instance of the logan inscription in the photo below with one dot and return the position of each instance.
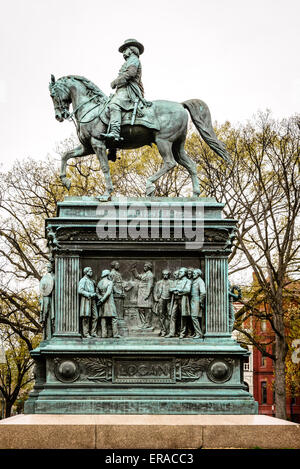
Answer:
(143, 371)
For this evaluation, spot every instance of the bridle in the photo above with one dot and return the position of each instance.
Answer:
(70, 116)
(66, 115)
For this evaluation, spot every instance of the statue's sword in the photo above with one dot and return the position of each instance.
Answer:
(134, 111)
(171, 305)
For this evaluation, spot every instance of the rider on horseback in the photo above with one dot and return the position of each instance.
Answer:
(130, 91)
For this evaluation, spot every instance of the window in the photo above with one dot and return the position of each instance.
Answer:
(246, 364)
(263, 390)
(263, 361)
(263, 358)
(263, 325)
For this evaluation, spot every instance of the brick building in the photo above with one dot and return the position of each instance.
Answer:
(259, 372)
(263, 378)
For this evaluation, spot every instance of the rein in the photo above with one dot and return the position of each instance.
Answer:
(70, 117)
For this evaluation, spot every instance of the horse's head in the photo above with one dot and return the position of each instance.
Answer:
(60, 95)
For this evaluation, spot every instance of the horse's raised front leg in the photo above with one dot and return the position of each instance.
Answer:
(165, 150)
(100, 150)
(76, 152)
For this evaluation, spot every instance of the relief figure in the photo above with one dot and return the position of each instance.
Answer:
(107, 307)
(47, 314)
(162, 298)
(180, 304)
(233, 297)
(145, 294)
(88, 308)
(118, 288)
(198, 293)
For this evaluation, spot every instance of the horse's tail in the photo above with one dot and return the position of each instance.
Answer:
(201, 118)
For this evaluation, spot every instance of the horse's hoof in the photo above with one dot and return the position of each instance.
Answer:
(66, 182)
(104, 197)
(150, 190)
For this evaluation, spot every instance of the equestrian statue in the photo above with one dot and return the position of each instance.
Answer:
(125, 120)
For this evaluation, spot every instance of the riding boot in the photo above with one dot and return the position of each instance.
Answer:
(115, 125)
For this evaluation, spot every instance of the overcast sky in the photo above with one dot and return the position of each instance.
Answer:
(238, 56)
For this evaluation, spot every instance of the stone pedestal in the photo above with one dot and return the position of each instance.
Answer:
(115, 432)
(141, 372)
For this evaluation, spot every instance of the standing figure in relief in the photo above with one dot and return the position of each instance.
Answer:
(198, 293)
(118, 288)
(107, 308)
(175, 275)
(47, 302)
(88, 308)
(232, 297)
(145, 294)
(190, 273)
(162, 297)
(180, 304)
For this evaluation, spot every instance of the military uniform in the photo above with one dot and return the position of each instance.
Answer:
(198, 293)
(129, 84)
(232, 297)
(145, 297)
(162, 296)
(129, 89)
(180, 303)
(88, 307)
(47, 314)
(118, 291)
(107, 307)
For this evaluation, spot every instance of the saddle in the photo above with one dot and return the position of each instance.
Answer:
(144, 115)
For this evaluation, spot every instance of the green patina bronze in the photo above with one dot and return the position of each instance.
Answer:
(138, 315)
(126, 120)
(142, 321)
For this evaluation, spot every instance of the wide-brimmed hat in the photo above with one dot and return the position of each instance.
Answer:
(131, 42)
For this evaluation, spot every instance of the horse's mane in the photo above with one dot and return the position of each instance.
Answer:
(90, 86)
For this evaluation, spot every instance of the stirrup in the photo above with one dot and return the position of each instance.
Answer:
(111, 136)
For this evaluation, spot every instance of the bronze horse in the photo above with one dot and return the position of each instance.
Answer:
(89, 105)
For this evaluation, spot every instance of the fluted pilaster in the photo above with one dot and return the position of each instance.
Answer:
(216, 279)
(66, 295)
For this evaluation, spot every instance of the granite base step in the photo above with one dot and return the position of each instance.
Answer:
(147, 432)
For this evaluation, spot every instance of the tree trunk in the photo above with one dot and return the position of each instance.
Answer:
(8, 407)
(280, 381)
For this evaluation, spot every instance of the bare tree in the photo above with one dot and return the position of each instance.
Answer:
(16, 373)
(262, 191)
